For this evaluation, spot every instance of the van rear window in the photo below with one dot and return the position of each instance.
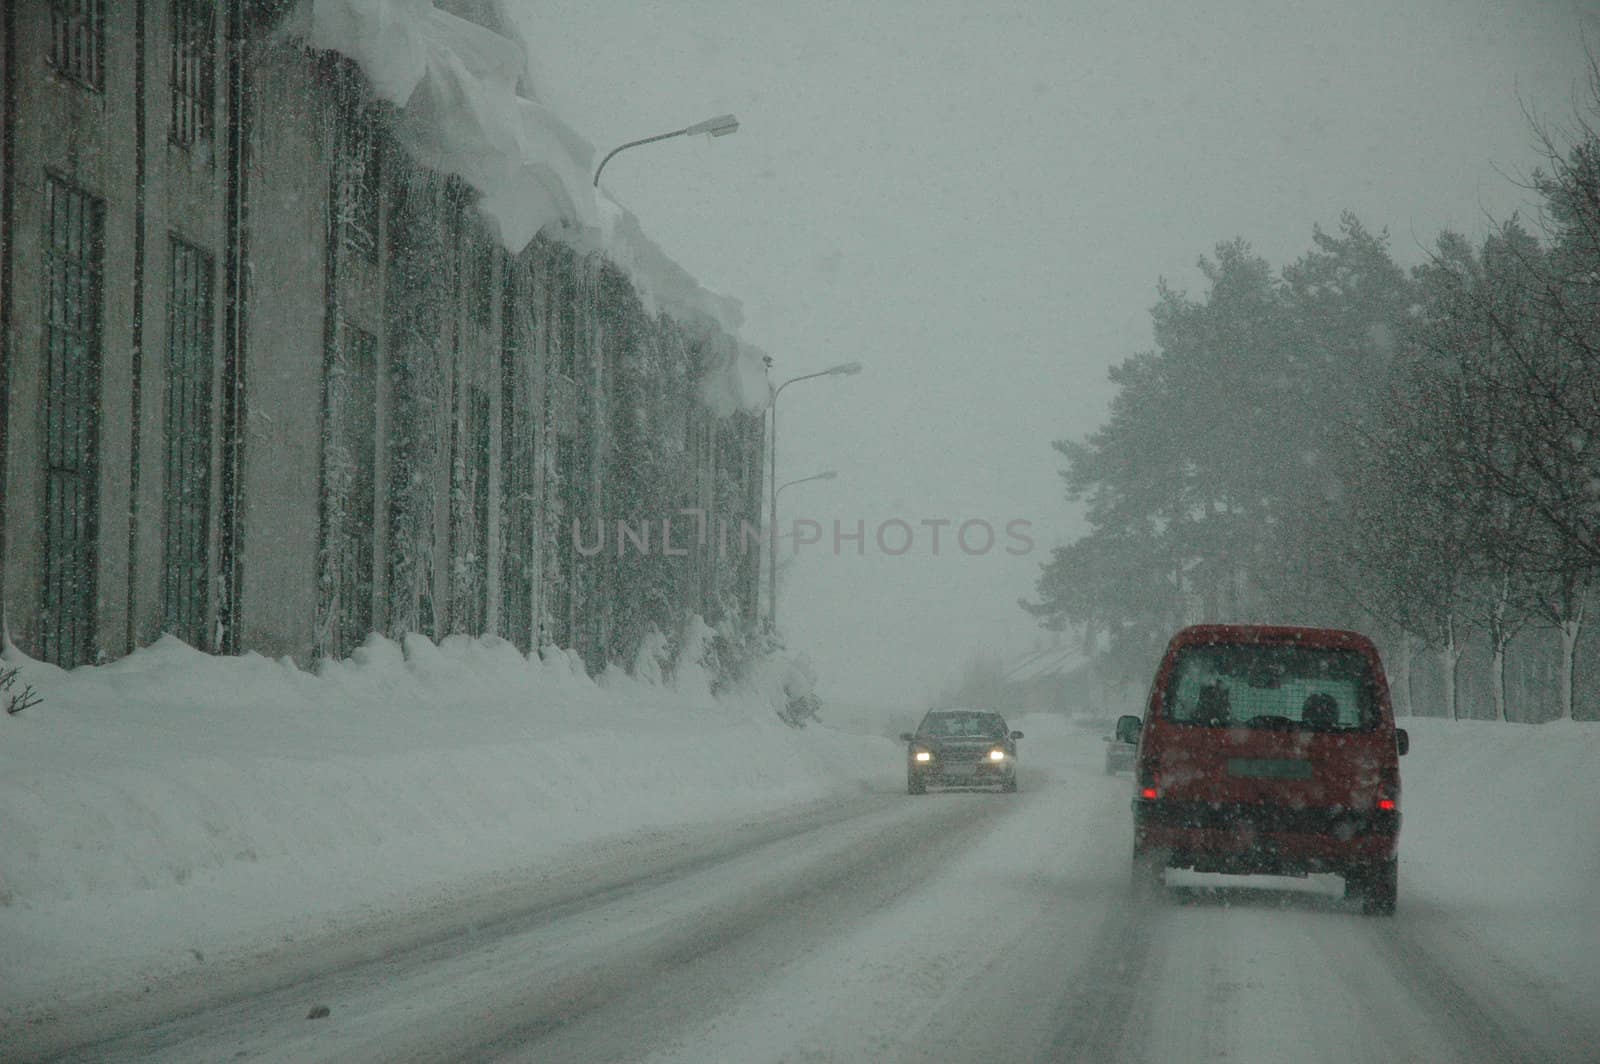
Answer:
(1268, 685)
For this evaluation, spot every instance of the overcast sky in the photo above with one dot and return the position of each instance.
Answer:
(977, 199)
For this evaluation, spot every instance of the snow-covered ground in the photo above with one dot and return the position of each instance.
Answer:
(175, 809)
(173, 814)
(1502, 824)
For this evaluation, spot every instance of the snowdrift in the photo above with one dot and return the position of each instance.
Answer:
(174, 799)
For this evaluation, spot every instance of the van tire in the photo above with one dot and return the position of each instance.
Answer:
(915, 785)
(1377, 885)
(1148, 875)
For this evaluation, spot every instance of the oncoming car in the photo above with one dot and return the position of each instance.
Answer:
(1269, 750)
(961, 747)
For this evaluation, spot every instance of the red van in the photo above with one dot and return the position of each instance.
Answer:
(1269, 750)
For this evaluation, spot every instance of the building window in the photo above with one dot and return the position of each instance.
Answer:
(475, 565)
(519, 514)
(411, 437)
(349, 463)
(74, 252)
(560, 594)
(78, 40)
(563, 290)
(193, 63)
(186, 506)
(356, 176)
(483, 287)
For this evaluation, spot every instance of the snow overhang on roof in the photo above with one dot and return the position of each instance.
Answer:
(737, 379)
(455, 85)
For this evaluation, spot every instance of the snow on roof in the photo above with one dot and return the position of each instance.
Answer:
(1046, 664)
(456, 86)
(664, 285)
(741, 384)
(738, 379)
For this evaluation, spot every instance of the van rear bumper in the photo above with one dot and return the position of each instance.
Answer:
(1233, 837)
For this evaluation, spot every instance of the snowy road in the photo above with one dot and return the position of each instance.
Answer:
(951, 927)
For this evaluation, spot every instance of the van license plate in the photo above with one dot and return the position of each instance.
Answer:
(1265, 768)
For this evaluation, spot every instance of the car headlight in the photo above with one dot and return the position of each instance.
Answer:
(921, 755)
(997, 754)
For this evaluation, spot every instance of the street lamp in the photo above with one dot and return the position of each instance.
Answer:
(829, 475)
(719, 126)
(843, 369)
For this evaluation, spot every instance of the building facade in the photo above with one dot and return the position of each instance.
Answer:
(268, 383)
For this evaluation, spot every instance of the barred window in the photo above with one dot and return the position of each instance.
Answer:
(477, 539)
(193, 65)
(413, 439)
(186, 506)
(562, 580)
(74, 253)
(349, 459)
(519, 514)
(78, 40)
(483, 287)
(563, 293)
(356, 188)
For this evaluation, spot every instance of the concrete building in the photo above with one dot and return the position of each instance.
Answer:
(269, 382)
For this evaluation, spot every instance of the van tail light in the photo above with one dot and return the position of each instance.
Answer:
(1389, 791)
(1149, 782)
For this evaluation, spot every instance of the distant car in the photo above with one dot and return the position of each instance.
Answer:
(1119, 755)
(1269, 750)
(962, 748)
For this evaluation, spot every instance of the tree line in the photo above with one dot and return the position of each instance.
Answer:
(1345, 441)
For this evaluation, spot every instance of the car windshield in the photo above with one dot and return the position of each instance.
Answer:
(1263, 685)
(963, 726)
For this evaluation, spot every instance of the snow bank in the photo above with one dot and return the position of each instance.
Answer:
(460, 110)
(1528, 789)
(175, 801)
(1502, 822)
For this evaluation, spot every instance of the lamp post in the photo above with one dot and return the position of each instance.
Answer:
(843, 369)
(829, 475)
(719, 126)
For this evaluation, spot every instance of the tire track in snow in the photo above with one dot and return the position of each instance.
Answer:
(1097, 1012)
(608, 972)
(1483, 1028)
(632, 999)
(342, 964)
